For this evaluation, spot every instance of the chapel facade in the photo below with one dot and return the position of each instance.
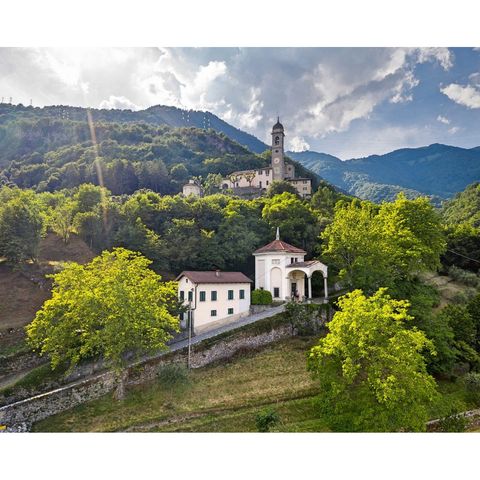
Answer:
(281, 269)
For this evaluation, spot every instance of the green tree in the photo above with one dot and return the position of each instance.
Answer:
(112, 307)
(353, 246)
(277, 187)
(294, 217)
(21, 225)
(383, 246)
(61, 219)
(371, 369)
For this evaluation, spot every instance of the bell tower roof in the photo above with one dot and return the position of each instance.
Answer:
(278, 125)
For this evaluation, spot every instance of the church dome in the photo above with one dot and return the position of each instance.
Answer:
(278, 125)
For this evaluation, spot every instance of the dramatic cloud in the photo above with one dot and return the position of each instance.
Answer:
(319, 93)
(466, 95)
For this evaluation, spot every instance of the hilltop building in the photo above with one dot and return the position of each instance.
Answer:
(192, 188)
(256, 181)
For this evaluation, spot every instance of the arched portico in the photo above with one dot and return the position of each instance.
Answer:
(308, 269)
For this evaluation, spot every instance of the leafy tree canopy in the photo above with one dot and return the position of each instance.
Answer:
(371, 369)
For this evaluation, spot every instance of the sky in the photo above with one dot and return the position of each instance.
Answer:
(348, 102)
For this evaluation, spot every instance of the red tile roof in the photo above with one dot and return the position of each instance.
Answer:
(215, 277)
(280, 246)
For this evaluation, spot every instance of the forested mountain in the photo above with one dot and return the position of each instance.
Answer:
(156, 115)
(51, 148)
(439, 171)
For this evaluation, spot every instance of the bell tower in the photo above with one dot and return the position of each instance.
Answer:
(278, 162)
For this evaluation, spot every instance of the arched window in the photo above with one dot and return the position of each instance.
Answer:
(277, 140)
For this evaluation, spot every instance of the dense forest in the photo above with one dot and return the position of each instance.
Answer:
(48, 153)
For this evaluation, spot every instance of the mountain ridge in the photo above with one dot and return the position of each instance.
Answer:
(437, 170)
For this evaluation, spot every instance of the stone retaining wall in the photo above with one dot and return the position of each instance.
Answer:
(19, 416)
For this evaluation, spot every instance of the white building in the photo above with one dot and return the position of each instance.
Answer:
(192, 188)
(281, 269)
(279, 170)
(214, 297)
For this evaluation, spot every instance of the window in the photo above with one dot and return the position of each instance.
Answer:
(305, 181)
(230, 294)
(267, 182)
(242, 294)
(230, 311)
(213, 295)
(213, 313)
(276, 292)
(292, 260)
(260, 184)
(182, 295)
(190, 295)
(260, 172)
(276, 150)
(202, 296)
(277, 140)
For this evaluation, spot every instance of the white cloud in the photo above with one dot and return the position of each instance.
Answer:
(120, 103)
(453, 130)
(298, 144)
(466, 95)
(317, 91)
(442, 55)
(443, 120)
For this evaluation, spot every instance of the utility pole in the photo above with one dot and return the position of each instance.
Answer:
(189, 328)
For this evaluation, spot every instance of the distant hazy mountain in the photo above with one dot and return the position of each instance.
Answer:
(438, 170)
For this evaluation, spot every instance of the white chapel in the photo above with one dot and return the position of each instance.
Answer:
(281, 269)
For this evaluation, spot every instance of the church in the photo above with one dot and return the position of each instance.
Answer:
(261, 179)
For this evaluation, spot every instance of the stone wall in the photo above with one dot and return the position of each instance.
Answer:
(19, 416)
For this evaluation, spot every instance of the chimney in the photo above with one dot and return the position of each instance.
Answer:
(278, 233)
(217, 273)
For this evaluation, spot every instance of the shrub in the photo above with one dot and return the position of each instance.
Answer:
(455, 422)
(266, 419)
(463, 276)
(472, 386)
(261, 297)
(173, 374)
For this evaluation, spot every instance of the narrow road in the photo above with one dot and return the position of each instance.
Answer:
(226, 328)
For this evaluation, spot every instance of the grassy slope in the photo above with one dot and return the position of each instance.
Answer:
(221, 397)
(224, 398)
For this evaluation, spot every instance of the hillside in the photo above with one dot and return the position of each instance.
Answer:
(156, 115)
(464, 207)
(439, 171)
(51, 148)
(22, 292)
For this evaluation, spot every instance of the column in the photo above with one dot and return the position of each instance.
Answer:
(325, 285)
(309, 288)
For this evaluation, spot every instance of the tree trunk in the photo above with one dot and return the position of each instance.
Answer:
(119, 393)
